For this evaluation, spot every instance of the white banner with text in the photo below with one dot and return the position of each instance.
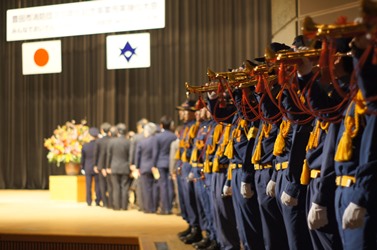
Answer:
(84, 18)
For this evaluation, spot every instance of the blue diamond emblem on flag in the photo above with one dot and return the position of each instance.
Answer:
(127, 51)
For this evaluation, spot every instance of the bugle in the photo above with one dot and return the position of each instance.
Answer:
(314, 30)
(229, 75)
(295, 57)
(201, 89)
(292, 57)
(214, 86)
(264, 69)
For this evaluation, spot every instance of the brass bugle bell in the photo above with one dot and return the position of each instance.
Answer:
(200, 89)
(254, 81)
(210, 73)
(229, 75)
(264, 69)
(235, 84)
(295, 57)
(233, 76)
(314, 30)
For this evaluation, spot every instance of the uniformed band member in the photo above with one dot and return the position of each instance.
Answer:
(289, 150)
(263, 160)
(207, 155)
(197, 176)
(187, 192)
(223, 210)
(193, 205)
(239, 143)
(355, 161)
(318, 169)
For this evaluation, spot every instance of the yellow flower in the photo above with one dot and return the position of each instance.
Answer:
(66, 142)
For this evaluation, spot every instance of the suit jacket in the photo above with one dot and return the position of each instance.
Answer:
(88, 157)
(101, 152)
(174, 147)
(135, 140)
(144, 150)
(118, 155)
(161, 148)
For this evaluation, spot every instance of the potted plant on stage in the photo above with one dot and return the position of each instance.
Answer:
(65, 145)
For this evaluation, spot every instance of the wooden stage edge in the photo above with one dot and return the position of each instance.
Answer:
(33, 216)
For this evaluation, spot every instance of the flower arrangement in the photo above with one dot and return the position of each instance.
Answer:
(66, 142)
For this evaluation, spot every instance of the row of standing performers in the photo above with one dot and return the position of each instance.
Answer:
(291, 167)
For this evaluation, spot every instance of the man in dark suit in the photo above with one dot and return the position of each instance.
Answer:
(87, 164)
(135, 183)
(100, 161)
(144, 164)
(118, 154)
(160, 156)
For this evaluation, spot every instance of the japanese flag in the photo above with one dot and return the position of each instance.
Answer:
(128, 51)
(42, 57)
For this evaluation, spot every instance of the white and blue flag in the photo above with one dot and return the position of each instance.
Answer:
(128, 51)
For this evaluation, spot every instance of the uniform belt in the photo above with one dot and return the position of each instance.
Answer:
(221, 166)
(235, 165)
(345, 180)
(262, 166)
(281, 165)
(197, 165)
(314, 173)
(217, 167)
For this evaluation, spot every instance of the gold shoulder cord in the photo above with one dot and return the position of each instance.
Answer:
(351, 129)
(266, 129)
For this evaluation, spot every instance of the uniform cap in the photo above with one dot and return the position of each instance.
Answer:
(275, 47)
(187, 105)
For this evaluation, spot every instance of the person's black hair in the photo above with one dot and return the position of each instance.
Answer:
(165, 121)
(142, 122)
(105, 127)
(113, 131)
(121, 128)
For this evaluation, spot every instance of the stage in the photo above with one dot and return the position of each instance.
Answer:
(32, 214)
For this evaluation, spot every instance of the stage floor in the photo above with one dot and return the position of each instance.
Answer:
(33, 212)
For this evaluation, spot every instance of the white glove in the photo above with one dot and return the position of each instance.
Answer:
(288, 200)
(227, 190)
(270, 189)
(212, 95)
(317, 217)
(246, 190)
(353, 216)
(190, 177)
(83, 171)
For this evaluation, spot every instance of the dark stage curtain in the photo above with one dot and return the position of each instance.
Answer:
(199, 34)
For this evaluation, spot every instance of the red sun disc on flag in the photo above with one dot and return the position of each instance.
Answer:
(41, 57)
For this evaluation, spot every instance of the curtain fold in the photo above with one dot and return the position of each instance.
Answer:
(199, 34)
